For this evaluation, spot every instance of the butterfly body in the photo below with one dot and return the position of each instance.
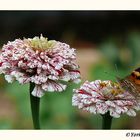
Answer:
(131, 83)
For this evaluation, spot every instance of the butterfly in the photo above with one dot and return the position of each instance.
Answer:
(131, 83)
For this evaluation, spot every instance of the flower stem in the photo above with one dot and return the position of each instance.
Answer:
(106, 121)
(35, 102)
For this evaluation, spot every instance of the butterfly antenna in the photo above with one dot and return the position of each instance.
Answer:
(118, 75)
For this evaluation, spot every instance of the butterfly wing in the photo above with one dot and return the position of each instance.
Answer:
(130, 84)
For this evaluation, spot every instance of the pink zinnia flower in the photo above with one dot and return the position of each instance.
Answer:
(42, 62)
(100, 97)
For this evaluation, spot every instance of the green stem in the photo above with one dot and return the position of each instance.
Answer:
(35, 102)
(106, 121)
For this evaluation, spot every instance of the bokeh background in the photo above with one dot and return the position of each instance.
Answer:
(108, 45)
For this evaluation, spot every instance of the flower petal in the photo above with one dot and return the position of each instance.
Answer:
(102, 108)
(131, 112)
(113, 113)
(52, 86)
(37, 91)
(105, 96)
(9, 78)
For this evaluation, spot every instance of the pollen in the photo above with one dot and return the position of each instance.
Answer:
(41, 43)
(103, 85)
(116, 91)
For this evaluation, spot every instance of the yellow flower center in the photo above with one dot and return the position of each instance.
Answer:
(41, 43)
(103, 85)
(117, 89)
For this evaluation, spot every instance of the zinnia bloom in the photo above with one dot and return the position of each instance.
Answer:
(45, 63)
(100, 97)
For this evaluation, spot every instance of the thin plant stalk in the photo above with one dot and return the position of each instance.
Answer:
(106, 121)
(35, 103)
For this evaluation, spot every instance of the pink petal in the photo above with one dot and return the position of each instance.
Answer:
(131, 112)
(53, 86)
(37, 92)
(113, 113)
(9, 78)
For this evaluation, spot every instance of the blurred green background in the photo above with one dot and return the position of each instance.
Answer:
(104, 40)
